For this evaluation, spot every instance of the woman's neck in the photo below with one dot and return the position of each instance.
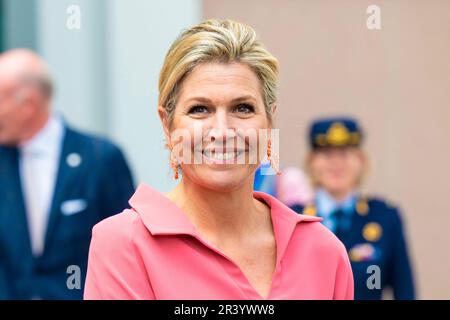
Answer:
(221, 214)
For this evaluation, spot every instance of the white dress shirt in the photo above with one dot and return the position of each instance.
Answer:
(39, 162)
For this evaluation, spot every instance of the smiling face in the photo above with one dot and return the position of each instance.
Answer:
(337, 170)
(217, 105)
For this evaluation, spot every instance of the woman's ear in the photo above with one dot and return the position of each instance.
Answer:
(164, 121)
(362, 157)
(365, 167)
(365, 162)
(274, 109)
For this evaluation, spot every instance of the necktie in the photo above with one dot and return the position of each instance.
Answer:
(338, 217)
(11, 158)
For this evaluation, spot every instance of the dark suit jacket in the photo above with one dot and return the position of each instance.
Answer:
(390, 252)
(85, 193)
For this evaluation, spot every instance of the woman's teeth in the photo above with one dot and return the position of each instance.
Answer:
(221, 156)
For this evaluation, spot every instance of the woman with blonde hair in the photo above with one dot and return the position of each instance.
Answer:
(212, 237)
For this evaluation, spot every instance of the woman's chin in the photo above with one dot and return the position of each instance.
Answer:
(337, 187)
(222, 178)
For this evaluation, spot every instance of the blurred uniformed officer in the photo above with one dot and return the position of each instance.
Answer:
(370, 228)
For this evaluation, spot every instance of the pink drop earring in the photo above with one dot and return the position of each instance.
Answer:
(272, 157)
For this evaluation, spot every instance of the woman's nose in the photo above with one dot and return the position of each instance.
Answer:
(221, 127)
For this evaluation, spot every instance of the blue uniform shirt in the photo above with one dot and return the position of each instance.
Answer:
(326, 205)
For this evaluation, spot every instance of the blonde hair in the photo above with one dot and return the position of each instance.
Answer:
(222, 41)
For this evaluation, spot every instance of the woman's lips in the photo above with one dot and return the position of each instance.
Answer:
(222, 156)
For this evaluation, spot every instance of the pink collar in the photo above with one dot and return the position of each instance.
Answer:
(163, 217)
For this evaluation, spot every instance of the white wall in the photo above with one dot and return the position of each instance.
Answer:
(142, 33)
(106, 73)
(19, 20)
(76, 59)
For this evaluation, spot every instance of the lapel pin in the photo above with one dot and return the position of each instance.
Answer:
(73, 160)
(362, 207)
(310, 210)
(372, 232)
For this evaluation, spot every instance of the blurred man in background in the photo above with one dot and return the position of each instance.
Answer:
(55, 185)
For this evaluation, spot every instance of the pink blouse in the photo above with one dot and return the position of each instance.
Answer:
(153, 251)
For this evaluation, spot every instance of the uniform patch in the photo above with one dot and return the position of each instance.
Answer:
(372, 231)
(310, 211)
(362, 207)
(363, 252)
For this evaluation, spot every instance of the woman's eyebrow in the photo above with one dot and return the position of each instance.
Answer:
(244, 98)
(199, 99)
(209, 101)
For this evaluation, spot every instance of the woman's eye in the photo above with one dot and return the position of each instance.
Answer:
(198, 110)
(244, 108)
